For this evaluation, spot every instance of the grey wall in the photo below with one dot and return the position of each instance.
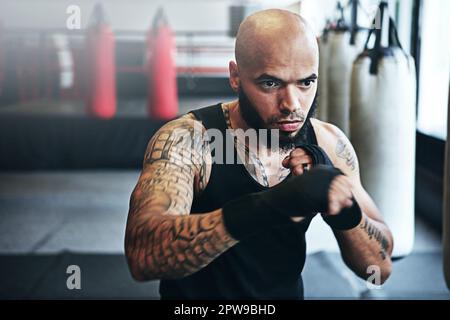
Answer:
(123, 15)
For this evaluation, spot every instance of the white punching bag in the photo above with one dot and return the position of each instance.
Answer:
(345, 44)
(446, 218)
(383, 126)
(322, 98)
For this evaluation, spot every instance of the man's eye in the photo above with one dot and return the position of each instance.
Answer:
(306, 83)
(269, 84)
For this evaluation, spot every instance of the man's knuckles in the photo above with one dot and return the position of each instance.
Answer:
(297, 171)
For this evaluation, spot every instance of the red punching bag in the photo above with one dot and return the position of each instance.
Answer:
(162, 85)
(101, 70)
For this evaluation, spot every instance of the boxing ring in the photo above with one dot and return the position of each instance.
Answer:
(51, 118)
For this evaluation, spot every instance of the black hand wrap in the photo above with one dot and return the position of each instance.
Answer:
(347, 219)
(318, 155)
(298, 196)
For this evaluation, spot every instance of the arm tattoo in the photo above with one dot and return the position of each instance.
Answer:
(173, 247)
(162, 239)
(376, 234)
(345, 152)
(181, 147)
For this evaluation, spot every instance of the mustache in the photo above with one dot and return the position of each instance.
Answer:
(297, 115)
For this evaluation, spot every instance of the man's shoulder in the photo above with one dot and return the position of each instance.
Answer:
(327, 132)
(187, 121)
(178, 137)
(181, 142)
(337, 145)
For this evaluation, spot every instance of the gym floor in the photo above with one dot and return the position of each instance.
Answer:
(50, 220)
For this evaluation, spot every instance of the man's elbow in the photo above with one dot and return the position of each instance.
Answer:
(137, 271)
(141, 274)
(138, 275)
(386, 271)
(378, 274)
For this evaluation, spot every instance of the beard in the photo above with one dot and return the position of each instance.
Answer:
(287, 140)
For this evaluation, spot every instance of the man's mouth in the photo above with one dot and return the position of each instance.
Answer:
(289, 126)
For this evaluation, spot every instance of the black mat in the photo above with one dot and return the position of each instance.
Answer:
(58, 142)
(106, 276)
(103, 276)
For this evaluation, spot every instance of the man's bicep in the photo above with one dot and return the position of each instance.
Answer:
(171, 164)
(163, 188)
(347, 161)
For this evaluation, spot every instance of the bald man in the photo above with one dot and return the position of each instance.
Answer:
(219, 230)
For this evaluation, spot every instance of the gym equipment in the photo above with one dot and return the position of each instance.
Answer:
(383, 127)
(322, 98)
(101, 68)
(345, 42)
(162, 85)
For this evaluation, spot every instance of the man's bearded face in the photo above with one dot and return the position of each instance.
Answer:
(253, 119)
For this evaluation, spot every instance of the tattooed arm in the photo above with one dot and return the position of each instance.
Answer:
(162, 239)
(371, 242)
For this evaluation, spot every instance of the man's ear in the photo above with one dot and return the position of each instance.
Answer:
(234, 76)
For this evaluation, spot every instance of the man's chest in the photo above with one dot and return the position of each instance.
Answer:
(266, 167)
(263, 165)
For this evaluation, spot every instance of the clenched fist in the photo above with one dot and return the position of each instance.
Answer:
(298, 161)
(340, 195)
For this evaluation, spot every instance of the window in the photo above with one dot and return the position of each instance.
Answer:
(434, 69)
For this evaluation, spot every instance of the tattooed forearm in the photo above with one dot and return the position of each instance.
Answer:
(367, 245)
(174, 247)
(163, 240)
(344, 151)
(373, 233)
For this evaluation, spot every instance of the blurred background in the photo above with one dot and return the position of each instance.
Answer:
(85, 84)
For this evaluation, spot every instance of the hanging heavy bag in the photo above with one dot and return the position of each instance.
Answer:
(322, 97)
(344, 42)
(162, 85)
(100, 67)
(383, 104)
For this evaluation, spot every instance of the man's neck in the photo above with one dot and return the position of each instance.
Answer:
(265, 164)
(235, 121)
(235, 116)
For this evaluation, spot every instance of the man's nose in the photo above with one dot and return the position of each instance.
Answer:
(290, 100)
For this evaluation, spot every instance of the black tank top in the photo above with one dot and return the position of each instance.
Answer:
(264, 266)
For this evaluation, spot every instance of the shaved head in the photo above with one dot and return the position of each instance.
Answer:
(264, 34)
(275, 73)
